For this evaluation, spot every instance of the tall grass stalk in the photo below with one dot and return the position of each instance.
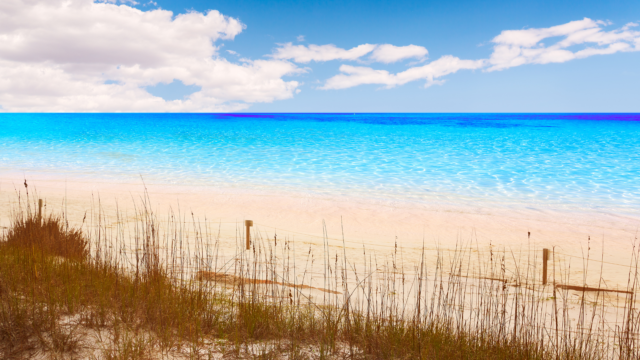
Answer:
(165, 289)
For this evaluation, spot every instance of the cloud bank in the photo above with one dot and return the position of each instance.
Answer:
(80, 55)
(511, 48)
(520, 47)
(86, 55)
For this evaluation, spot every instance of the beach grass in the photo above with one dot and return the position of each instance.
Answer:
(95, 291)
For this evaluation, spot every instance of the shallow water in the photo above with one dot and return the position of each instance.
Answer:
(564, 161)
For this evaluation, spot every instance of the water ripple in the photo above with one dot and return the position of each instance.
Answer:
(585, 160)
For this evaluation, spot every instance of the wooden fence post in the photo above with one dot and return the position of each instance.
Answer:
(248, 224)
(39, 209)
(545, 258)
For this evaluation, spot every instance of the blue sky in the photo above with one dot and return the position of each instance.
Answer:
(459, 28)
(462, 29)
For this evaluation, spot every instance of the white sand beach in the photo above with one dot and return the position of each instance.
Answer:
(375, 224)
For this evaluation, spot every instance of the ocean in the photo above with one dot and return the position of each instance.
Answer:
(564, 161)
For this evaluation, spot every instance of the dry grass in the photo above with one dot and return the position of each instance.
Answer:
(163, 299)
(49, 235)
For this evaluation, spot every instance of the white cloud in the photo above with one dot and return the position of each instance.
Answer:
(578, 39)
(300, 38)
(56, 55)
(305, 54)
(385, 53)
(132, 2)
(520, 47)
(358, 75)
(86, 55)
(388, 53)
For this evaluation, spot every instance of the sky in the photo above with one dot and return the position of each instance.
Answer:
(319, 56)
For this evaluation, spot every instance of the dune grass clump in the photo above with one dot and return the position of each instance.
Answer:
(30, 306)
(145, 294)
(49, 235)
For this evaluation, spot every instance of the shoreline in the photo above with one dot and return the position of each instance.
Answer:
(374, 224)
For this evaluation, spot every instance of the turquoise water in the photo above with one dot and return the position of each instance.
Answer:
(589, 161)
